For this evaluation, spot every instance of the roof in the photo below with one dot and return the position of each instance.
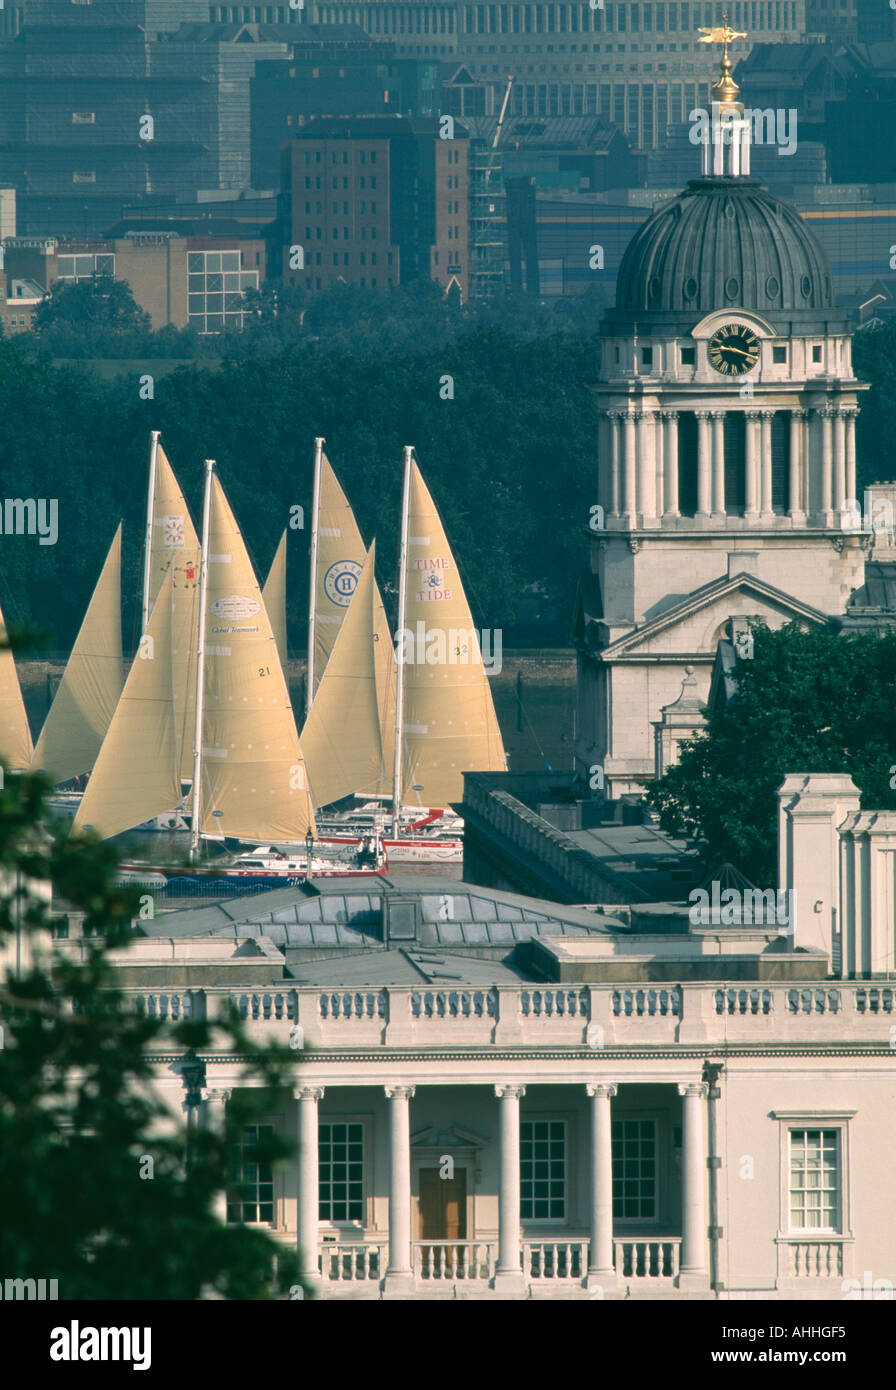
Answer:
(642, 859)
(879, 588)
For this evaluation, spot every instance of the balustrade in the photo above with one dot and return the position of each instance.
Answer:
(452, 1260)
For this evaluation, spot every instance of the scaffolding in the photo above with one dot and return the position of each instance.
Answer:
(488, 241)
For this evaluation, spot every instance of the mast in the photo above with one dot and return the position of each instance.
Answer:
(399, 652)
(200, 663)
(150, 519)
(312, 588)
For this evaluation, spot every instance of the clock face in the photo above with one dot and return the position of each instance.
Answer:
(733, 350)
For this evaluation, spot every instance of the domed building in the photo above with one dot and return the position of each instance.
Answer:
(726, 455)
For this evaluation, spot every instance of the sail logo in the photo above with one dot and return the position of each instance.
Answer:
(433, 590)
(233, 607)
(173, 532)
(20, 516)
(451, 646)
(341, 581)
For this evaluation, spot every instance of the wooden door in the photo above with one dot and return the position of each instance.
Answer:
(442, 1205)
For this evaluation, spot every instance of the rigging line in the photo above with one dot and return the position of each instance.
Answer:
(525, 713)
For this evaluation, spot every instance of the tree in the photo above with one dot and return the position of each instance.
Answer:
(807, 701)
(95, 1190)
(99, 304)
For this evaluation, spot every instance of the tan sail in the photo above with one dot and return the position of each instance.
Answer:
(15, 735)
(136, 773)
(85, 702)
(175, 546)
(253, 773)
(340, 559)
(274, 594)
(349, 735)
(449, 723)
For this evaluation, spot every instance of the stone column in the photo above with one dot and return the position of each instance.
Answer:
(509, 1275)
(751, 506)
(670, 461)
(718, 463)
(693, 1273)
(827, 451)
(601, 1270)
(765, 430)
(646, 467)
(615, 457)
(797, 465)
(214, 1116)
(307, 1206)
(630, 504)
(399, 1274)
(840, 493)
(851, 414)
(703, 464)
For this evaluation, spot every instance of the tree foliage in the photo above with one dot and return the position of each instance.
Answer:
(98, 1188)
(808, 701)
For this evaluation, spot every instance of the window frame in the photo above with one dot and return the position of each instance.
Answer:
(656, 1117)
(276, 1124)
(326, 1225)
(789, 1121)
(567, 1118)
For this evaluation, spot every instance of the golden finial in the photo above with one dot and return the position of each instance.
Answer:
(726, 89)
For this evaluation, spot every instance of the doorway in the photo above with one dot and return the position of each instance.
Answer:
(442, 1205)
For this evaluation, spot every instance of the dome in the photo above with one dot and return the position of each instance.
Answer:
(725, 243)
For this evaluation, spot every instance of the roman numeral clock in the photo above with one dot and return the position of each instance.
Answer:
(733, 350)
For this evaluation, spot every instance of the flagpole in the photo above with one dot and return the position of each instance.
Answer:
(200, 665)
(312, 583)
(150, 519)
(399, 645)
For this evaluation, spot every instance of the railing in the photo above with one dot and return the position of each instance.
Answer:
(646, 1003)
(521, 1015)
(555, 1259)
(352, 1263)
(453, 1260)
(814, 1259)
(647, 1258)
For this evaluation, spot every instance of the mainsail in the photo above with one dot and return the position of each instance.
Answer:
(15, 735)
(136, 773)
(349, 735)
(340, 559)
(85, 702)
(254, 785)
(175, 546)
(274, 595)
(449, 723)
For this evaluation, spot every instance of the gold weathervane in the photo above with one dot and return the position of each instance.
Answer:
(726, 89)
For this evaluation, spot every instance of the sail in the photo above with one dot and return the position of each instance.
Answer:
(449, 722)
(175, 546)
(253, 773)
(136, 773)
(274, 594)
(349, 735)
(340, 559)
(15, 735)
(85, 702)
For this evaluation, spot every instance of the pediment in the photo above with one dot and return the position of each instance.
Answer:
(444, 1140)
(697, 622)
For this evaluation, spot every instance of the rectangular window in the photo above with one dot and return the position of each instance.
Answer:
(341, 1159)
(814, 1180)
(634, 1170)
(647, 357)
(253, 1182)
(688, 356)
(816, 353)
(543, 1170)
(779, 354)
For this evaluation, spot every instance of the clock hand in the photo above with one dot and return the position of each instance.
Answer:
(726, 347)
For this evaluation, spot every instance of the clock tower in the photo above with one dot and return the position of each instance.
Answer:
(726, 453)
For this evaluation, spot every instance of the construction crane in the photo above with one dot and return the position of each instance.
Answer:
(488, 246)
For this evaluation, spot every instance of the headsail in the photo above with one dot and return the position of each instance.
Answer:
(175, 546)
(349, 734)
(15, 735)
(274, 594)
(85, 702)
(136, 773)
(449, 722)
(340, 559)
(253, 773)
